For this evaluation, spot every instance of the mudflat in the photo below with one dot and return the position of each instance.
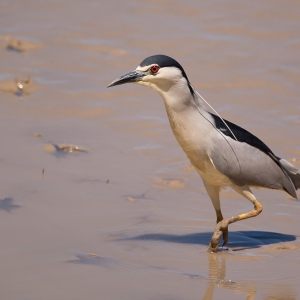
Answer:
(97, 199)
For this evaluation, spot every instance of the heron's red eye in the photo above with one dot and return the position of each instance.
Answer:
(154, 69)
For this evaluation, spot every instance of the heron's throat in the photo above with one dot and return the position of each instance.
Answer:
(176, 95)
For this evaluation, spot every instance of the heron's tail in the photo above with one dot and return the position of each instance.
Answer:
(296, 180)
(292, 171)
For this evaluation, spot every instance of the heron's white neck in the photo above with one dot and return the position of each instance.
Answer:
(176, 94)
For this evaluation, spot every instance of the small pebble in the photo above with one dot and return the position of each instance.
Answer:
(130, 199)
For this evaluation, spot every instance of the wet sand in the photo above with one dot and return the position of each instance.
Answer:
(127, 217)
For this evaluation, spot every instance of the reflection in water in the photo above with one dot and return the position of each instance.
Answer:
(217, 274)
(217, 278)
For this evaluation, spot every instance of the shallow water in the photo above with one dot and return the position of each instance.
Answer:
(128, 218)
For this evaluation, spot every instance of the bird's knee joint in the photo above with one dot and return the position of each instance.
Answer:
(258, 207)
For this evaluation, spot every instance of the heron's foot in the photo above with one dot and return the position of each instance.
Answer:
(221, 230)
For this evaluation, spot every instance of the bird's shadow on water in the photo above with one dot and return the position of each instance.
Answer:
(237, 239)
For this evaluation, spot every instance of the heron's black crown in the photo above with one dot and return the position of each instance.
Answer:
(165, 61)
(162, 61)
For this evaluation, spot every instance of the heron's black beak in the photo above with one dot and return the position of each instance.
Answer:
(133, 76)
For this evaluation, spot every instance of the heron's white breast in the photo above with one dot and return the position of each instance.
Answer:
(191, 133)
(194, 133)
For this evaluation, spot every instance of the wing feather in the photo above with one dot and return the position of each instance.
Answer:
(257, 165)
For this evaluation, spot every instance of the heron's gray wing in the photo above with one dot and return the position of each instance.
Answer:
(245, 136)
(241, 134)
(248, 161)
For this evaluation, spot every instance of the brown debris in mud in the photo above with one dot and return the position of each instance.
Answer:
(168, 183)
(66, 148)
(19, 45)
(130, 199)
(19, 86)
(280, 247)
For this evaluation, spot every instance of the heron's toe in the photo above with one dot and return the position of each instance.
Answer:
(214, 242)
(225, 237)
(221, 230)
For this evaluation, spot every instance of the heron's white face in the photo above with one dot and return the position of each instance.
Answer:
(160, 79)
(169, 82)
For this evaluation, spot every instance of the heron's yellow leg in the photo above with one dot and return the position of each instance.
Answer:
(222, 226)
(219, 216)
(250, 214)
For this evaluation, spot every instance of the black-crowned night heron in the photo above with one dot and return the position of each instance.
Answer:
(223, 153)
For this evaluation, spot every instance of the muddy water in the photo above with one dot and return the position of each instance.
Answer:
(127, 218)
